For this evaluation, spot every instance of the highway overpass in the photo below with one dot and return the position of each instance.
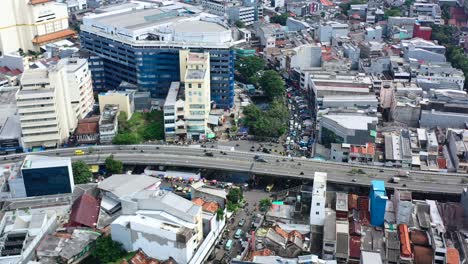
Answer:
(275, 166)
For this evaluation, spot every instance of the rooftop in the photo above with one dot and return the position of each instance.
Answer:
(38, 161)
(123, 184)
(355, 122)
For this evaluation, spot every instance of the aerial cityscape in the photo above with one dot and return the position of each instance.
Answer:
(233, 131)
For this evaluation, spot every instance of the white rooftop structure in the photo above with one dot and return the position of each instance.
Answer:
(160, 25)
(37, 162)
(352, 122)
(317, 211)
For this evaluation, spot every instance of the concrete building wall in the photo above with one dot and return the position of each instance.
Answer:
(123, 99)
(21, 21)
(307, 56)
(431, 119)
(44, 100)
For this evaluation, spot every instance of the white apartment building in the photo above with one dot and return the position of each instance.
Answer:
(28, 24)
(195, 74)
(317, 208)
(174, 125)
(80, 86)
(50, 102)
(160, 223)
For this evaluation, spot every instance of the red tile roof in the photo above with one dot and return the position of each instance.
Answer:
(85, 211)
(198, 201)
(442, 163)
(87, 128)
(281, 232)
(211, 207)
(142, 258)
(39, 40)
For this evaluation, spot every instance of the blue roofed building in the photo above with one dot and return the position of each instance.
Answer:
(378, 202)
(142, 46)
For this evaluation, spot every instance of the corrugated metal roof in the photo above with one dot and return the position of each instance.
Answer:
(453, 257)
(423, 255)
(419, 238)
(355, 247)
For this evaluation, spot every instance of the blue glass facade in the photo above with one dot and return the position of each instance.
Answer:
(153, 68)
(46, 181)
(378, 202)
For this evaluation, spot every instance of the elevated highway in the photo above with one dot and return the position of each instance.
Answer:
(275, 166)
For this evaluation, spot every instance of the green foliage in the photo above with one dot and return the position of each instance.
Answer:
(249, 66)
(393, 12)
(409, 3)
(235, 195)
(322, 14)
(273, 85)
(329, 137)
(279, 19)
(106, 250)
(81, 172)
(270, 123)
(240, 24)
(265, 204)
(231, 207)
(126, 139)
(455, 55)
(141, 127)
(113, 166)
(219, 214)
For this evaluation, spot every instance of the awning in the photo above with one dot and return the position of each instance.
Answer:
(36, 2)
(210, 135)
(59, 35)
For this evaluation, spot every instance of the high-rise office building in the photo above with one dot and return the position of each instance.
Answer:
(50, 102)
(28, 24)
(142, 47)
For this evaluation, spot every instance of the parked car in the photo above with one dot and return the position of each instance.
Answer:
(242, 222)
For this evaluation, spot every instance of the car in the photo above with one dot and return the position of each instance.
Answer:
(354, 180)
(381, 170)
(302, 173)
(209, 154)
(259, 158)
(79, 152)
(242, 222)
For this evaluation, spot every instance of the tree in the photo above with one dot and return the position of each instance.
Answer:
(272, 83)
(81, 172)
(219, 214)
(113, 166)
(279, 19)
(270, 123)
(235, 195)
(126, 139)
(322, 14)
(249, 66)
(106, 250)
(393, 12)
(265, 204)
(240, 24)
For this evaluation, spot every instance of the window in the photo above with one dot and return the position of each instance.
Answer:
(318, 204)
(190, 85)
(199, 85)
(317, 213)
